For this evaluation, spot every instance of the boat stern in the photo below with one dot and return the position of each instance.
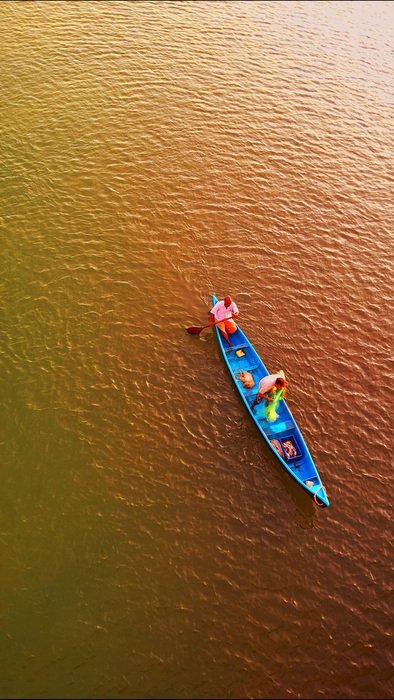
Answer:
(320, 496)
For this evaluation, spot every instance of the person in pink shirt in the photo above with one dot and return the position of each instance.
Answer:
(222, 313)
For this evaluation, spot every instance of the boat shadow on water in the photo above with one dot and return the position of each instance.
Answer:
(261, 455)
(305, 510)
(279, 430)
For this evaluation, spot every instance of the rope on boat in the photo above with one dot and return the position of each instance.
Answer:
(319, 503)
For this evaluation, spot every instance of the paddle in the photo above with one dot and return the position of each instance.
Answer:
(195, 330)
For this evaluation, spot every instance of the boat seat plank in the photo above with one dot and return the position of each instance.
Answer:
(248, 369)
(236, 347)
(250, 393)
(270, 430)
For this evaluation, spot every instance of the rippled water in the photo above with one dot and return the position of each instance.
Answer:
(154, 153)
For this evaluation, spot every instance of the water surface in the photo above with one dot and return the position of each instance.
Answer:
(154, 153)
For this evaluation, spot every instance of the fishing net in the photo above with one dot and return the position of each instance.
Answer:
(271, 412)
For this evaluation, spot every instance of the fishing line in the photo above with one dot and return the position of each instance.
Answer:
(204, 267)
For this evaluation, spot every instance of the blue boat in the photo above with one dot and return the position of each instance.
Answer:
(282, 435)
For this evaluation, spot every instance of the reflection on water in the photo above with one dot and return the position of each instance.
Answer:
(154, 154)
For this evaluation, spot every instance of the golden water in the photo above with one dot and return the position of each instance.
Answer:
(153, 153)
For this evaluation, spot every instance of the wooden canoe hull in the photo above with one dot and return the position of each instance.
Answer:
(283, 436)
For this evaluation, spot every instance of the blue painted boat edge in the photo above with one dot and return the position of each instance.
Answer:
(317, 491)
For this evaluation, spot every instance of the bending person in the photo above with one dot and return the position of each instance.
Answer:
(272, 389)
